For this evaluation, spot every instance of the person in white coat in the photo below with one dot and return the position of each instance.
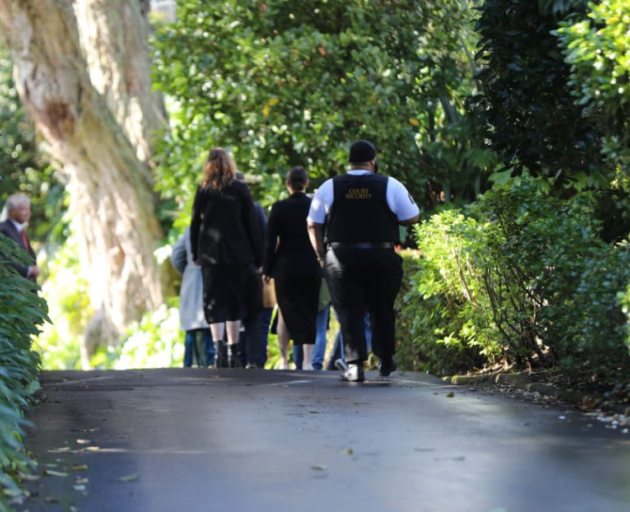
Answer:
(191, 314)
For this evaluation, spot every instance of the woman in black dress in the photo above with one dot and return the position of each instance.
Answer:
(292, 262)
(225, 240)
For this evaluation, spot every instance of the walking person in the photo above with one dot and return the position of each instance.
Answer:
(225, 241)
(191, 315)
(291, 261)
(249, 340)
(354, 226)
(18, 211)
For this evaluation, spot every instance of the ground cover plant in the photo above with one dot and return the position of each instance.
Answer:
(22, 312)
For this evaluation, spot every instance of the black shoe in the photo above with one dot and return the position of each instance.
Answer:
(353, 373)
(386, 366)
(251, 366)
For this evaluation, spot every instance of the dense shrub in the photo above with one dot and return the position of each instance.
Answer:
(519, 277)
(428, 323)
(21, 314)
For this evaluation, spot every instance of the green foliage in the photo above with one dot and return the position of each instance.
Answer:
(526, 107)
(293, 83)
(428, 323)
(598, 49)
(67, 294)
(520, 276)
(154, 342)
(566, 278)
(21, 314)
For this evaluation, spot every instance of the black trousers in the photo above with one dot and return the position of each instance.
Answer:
(252, 321)
(360, 280)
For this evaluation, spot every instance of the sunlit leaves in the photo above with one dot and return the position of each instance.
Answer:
(293, 83)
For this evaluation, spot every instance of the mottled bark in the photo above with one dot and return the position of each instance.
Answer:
(114, 36)
(110, 186)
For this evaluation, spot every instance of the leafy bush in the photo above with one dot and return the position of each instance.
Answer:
(565, 277)
(154, 342)
(428, 323)
(519, 275)
(21, 313)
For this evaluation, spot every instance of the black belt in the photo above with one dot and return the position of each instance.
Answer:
(361, 245)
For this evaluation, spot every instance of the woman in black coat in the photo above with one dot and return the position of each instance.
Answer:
(292, 262)
(225, 240)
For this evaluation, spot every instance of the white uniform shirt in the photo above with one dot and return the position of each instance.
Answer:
(399, 200)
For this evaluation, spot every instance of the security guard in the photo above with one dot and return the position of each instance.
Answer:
(353, 225)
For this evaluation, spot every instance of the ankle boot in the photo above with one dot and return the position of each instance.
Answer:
(222, 359)
(234, 361)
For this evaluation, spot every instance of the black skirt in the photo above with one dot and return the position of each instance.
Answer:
(224, 292)
(298, 300)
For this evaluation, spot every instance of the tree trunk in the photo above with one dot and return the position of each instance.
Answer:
(114, 36)
(110, 186)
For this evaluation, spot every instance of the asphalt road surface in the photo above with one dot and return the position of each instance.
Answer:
(180, 440)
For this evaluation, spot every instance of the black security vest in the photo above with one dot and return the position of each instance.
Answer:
(359, 211)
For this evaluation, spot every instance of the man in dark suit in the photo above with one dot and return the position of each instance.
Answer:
(19, 211)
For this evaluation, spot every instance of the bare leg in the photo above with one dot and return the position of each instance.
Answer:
(233, 327)
(218, 331)
(308, 356)
(283, 341)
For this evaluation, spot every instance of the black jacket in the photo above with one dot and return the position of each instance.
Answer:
(7, 228)
(287, 225)
(224, 227)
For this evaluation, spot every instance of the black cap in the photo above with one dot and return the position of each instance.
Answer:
(362, 151)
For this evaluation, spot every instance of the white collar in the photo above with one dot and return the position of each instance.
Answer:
(17, 225)
(359, 171)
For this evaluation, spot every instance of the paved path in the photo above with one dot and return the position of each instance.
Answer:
(183, 440)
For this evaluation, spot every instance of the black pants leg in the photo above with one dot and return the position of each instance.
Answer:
(361, 279)
(348, 298)
(252, 321)
(382, 288)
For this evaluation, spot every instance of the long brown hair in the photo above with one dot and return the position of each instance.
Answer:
(219, 169)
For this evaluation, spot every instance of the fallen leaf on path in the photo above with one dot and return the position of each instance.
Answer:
(50, 472)
(349, 451)
(51, 499)
(79, 487)
(82, 467)
(318, 467)
(29, 478)
(83, 441)
(450, 395)
(93, 448)
(81, 481)
(59, 450)
(128, 478)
